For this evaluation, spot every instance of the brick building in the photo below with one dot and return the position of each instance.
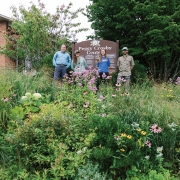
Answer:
(5, 62)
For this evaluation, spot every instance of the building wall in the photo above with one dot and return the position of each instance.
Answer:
(5, 62)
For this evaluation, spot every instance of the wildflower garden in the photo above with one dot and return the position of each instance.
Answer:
(72, 131)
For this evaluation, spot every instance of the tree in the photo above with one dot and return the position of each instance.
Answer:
(35, 33)
(151, 29)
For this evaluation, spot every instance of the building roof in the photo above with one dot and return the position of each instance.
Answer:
(4, 18)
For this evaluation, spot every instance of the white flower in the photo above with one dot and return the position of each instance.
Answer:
(37, 95)
(135, 125)
(84, 149)
(28, 94)
(24, 97)
(159, 155)
(103, 106)
(79, 152)
(172, 126)
(159, 149)
(147, 157)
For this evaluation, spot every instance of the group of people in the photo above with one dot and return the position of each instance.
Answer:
(62, 61)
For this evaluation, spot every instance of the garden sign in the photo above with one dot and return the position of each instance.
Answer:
(90, 50)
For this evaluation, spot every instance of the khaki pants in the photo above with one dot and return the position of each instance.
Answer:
(125, 79)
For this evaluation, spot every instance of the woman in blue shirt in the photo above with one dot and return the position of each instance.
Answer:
(103, 65)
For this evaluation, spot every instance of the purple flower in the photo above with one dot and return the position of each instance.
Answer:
(170, 80)
(69, 81)
(177, 81)
(79, 84)
(102, 97)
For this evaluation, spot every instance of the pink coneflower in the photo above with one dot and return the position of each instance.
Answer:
(117, 89)
(116, 138)
(5, 99)
(127, 94)
(79, 84)
(85, 92)
(155, 128)
(170, 80)
(122, 94)
(113, 95)
(148, 143)
(102, 97)
(123, 80)
(108, 77)
(118, 84)
(103, 75)
(86, 105)
(103, 114)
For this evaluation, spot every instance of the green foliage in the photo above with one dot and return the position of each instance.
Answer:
(149, 29)
(152, 175)
(89, 171)
(139, 74)
(36, 34)
(75, 131)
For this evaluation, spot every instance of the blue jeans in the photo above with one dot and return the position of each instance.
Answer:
(59, 72)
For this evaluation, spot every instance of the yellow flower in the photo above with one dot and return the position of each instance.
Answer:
(170, 90)
(138, 129)
(143, 132)
(140, 143)
(129, 137)
(123, 135)
(122, 149)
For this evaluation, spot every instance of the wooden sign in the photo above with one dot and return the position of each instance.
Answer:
(90, 50)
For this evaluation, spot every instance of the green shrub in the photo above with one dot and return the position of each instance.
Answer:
(89, 171)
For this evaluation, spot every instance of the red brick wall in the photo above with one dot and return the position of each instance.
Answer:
(5, 62)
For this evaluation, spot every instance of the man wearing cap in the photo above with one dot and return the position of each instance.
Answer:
(79, 63)
(61, 61)
(125, 64)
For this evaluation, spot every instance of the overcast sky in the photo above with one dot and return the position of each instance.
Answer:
(50, 6)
